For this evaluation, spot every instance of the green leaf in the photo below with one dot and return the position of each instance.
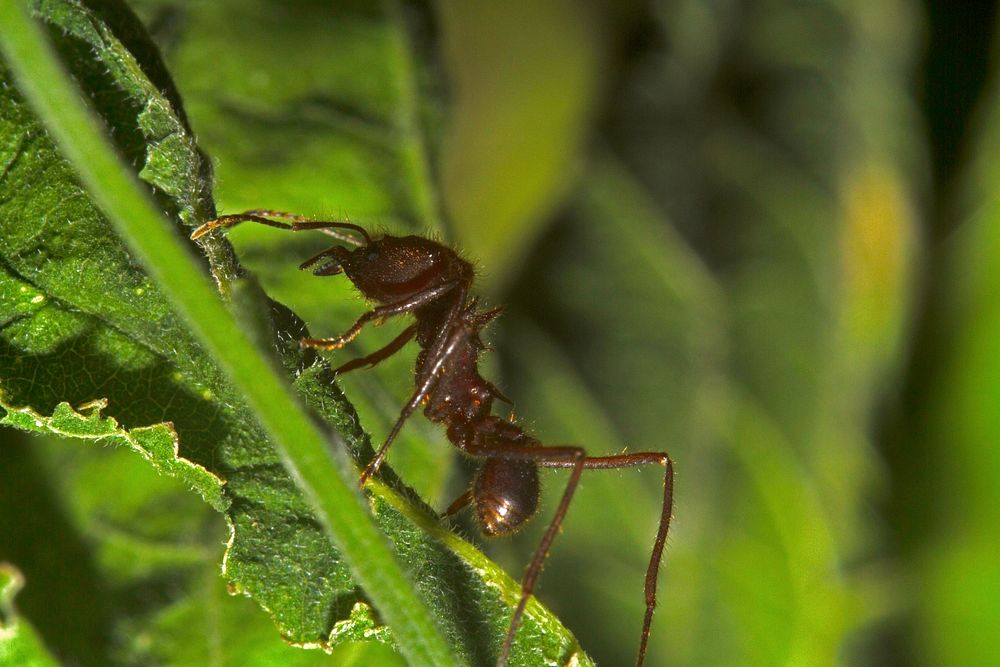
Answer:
(145, 561)
(103, 335)
(19, 643)
(158, 444)
(151, 558)
(951, 501)
(99, 308)
(526, 80)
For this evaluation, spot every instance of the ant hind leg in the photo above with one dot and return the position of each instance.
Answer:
(564, 457)
(574, 457)
(666, 512)
(459, 504)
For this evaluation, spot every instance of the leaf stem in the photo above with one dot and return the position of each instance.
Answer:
(153, 240)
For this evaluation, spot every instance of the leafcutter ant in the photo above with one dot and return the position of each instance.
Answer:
(415, 275)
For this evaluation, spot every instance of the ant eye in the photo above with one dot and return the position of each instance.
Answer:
(372, 254)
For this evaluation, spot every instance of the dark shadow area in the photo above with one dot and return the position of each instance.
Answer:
(64, 596)
(955, 71)
(136, 397)
(954, 75)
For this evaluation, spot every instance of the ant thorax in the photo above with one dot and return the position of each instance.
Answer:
(462, 397)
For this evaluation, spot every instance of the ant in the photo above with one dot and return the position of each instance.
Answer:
(413, 274)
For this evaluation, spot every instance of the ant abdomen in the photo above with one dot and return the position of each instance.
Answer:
(505, 494)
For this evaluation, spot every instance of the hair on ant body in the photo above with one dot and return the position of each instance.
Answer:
(418, 276)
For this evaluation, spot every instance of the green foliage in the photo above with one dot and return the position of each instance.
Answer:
(103, 336)
(708, 222)
(19, 643)
(713, 290)
(957, 497)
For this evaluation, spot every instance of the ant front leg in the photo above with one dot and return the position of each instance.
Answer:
(235, 219)
(299, 223)
(378, 315)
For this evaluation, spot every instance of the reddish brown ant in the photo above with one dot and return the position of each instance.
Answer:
(413, 274)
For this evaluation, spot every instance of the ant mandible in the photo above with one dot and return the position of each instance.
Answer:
(413, 274)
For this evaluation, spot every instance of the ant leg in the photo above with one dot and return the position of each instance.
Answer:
(573, 457)
(386, 352)
(445, 333)
(325, 226)
(427, 384)
(666, 511)
(233, 220)
(567, 457)
(379, 314)
(299, 223)
(459, 503)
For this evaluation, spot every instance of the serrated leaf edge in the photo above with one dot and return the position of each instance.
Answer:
(113, 432)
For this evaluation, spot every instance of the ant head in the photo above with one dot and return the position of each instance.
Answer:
(395, 267)
(506, 495)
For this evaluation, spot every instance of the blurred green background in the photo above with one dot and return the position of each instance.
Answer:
(760, 234)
